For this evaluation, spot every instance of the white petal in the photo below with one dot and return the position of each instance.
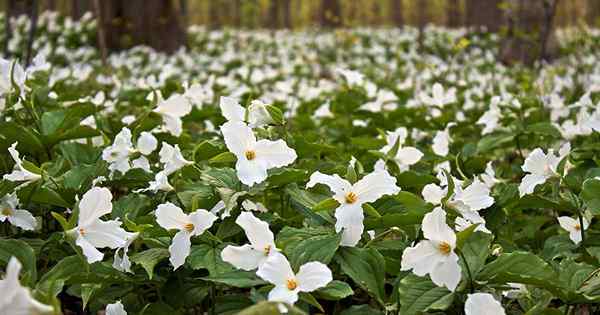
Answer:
(348, 215)
(238, 137)
(529, 182)
(483, 304)
(421, 258)
(231, 109)
(257, 231)
(146, 143)
(23, 219)
(95, 203)
(435, 228)
(250, 172)
(170, 216)
(312, 276)
(89, 251)
(535, 162)
(336, 184)
(282, 294)
(143, 163)
(115, 309)
(180, 248)
(476, 196)
(243, 257)
(106, 234)
(173, 125)
(176, 106)
(274, 153)
(276, 270)
(10, 284)
(441, 141)
(202, 221)
(433, 193)
(351, 234)
(374, 185)
(408, 156)
(447, 273)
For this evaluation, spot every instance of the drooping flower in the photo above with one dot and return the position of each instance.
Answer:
(171, 217)
(254, 157)
(483, 304)
(116, 308)
(349, 215)
(172, 110)
(172, 158)
(489, 176)
(93, 233)
(17, 217)
(122, 263)
(540, 167)
(20, 173)
(573, 226)
(277, 270)
(435, 254)
(406, 155)
(262, 244)
(160, 183)
(16, 299)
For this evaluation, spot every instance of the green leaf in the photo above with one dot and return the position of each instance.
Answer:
(494, 141)
(269, 308)
(53, 281)
(149, 258)
(335, 290)
(276, 114)
(206, 256)
(326, 205)
(462, 236)
(24, 253)
(237, 278)
(543, 128)
(419, 295)
(519, 267)
(29, 140)
(590, 194)
(308, 244)
(366, 268)
(223, 158)
(476, 250)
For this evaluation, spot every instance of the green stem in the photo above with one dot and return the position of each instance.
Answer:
(471, 287)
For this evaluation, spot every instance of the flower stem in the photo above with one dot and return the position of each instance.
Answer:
(582, 228)
(471, 287)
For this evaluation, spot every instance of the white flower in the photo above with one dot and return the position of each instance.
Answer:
(435, 255)
(8, 69)
(115, 309)
(473, 198)
(172, 158)
(469, 218)
(254, 157)
(20, 173)
(171, 110)
(258, 115)
(262, 244)
(490, 119)
(489, 176)
(349, 215)
(146, 143)
(438, 97)
(253, 206)
(93, 233)
(171, 217)
(406, 155)
(117, 155)
(441, 142)
(433, 193)
(17, 217)
(122, 263)
(160, 183)
(231, 109)
(573, 226)
(16, 299)
(483, 304)
(277, 270)
(352, 77)
(541, 167)
(323, 111)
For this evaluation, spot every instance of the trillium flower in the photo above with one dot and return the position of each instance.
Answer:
(117, 154)
(349, 215)
(171, 217)
(435, 255)
(16, 299)
(438, 96)
(473, 198)
(406, 155)
(540, 167)
(146, 143)
(17, 217)
(441, 141)
(573, 226)
(262, 244)
(115, 309)
(490, 119)
(172, 158)
(483, 304)
(160, 183)
(171, 110)
(254, 157)
(257, 114)
(122, 263)
(277, 270)
(93, 233)
(20, 173)
(489, 176)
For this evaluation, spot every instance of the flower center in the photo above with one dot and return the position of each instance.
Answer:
(82, 231)
(577, 227)
(351, 197)
(267, 250)
(250, 155)
(188, 227)
(7, 211)
(444, 248)
(292, 284)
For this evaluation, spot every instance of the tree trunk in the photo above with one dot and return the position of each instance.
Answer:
(287, 18)
(484, 15)
(530, 32)
(330, 13)
(272, 20)
(453, 12)
(422, 18)
(155, 23)
(593, 12)
(213, 14)
(79, 8)
(397, 12)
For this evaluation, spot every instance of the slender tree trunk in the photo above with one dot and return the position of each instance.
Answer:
(101, 31)
(330, 13)
(33, 16)
(287, 18)
(397, 8)
(7, 26)
(484, 15)
(422, 18)
(272, 20)
(237, 13)
(453, 12)
(593, 12)
(213, 12)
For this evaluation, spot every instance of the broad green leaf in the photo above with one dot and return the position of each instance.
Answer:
(591, 195)
(365, 267)
(308, 244)
(419, 295)
(149, 258)
(519, 267)
(206, 256)
(237, 278)
(335, 290)
(22, 252)
(270, 308)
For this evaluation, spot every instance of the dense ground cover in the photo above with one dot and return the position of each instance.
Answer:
(340, 172)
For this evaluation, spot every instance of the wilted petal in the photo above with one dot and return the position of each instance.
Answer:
(23, 219)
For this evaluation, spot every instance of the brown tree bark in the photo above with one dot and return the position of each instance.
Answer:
(155, 23)
(422, 18)
(213, 12)
(593, 12)
(287, 17)
(454, 18)
(272, 19)
(330, 14)
(484, 15)
(397, 8)
(79, 8)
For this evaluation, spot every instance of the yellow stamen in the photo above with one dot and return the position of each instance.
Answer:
(577, 227)
(267, 250)
(81, 231)
(250, 155)
(292, 284)
(189, 227)
(444, 248)
(7, 211)
(351, 197)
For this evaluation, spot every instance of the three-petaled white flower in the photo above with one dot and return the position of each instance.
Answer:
(435, 255)
(254, 157)
(406, 155)
(171, 217)
(349, 215)
(540, 167)
(20, 173)
(172, 158)
(438, 96)
(116, 308)
(16, 299)
(262, 244)
(122, 263)
(257, 114)
(277, 270)
(93, 233)
(171, 110)
(573, 226)
(483, 304)
(17, 217)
